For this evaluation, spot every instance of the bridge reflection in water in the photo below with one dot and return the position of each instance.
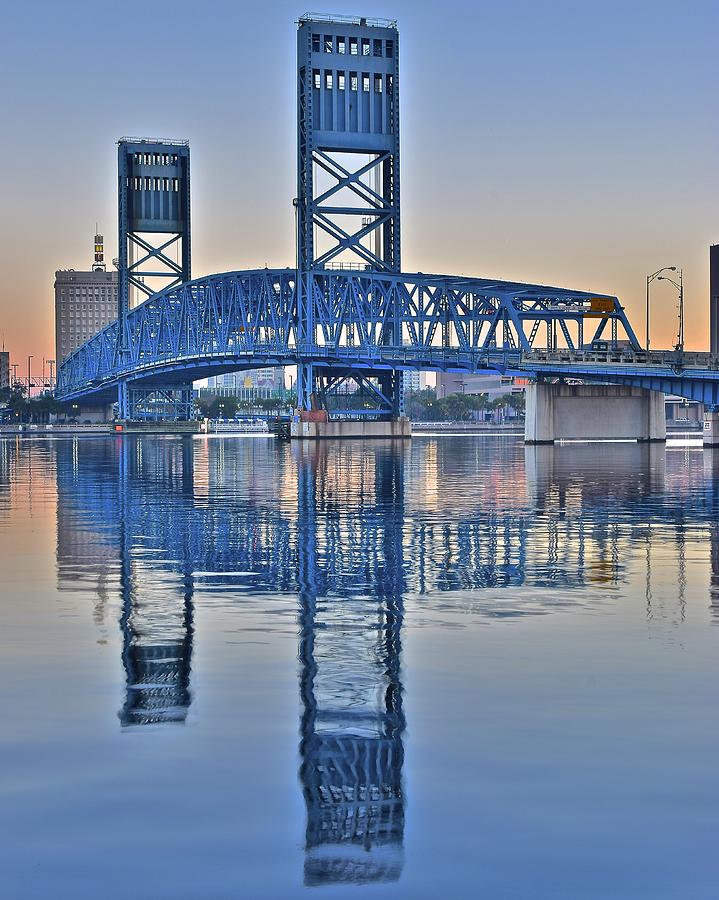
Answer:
(356, 533)
(350, 649)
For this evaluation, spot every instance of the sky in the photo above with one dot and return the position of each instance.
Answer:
(556, 142)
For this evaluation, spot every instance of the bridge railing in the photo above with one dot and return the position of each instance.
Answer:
(672, 359)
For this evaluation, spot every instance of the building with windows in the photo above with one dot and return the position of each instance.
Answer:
(412, 380)
(85, 302)
(494, 385)
(4, 369)
(253, 384)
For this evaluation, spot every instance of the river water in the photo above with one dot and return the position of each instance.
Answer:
(455, 667)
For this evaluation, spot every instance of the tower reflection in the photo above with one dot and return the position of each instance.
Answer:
(711, 477)
(108, 490)
(355, 531)
(349, 650)
(156, 623)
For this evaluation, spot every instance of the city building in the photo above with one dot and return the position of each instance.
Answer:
(492, 384)
(714, 298)
(85, 302)
(412, 380)
(4, 369)
(253, 384)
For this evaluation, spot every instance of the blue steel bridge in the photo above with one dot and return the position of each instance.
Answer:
(346, 314)
(249, 319)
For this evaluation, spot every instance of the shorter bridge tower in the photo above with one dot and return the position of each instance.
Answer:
(348, 197)
(153, 254)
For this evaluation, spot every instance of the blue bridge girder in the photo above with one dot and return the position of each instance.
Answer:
(249, 319)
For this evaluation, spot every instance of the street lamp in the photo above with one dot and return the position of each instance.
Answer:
(28, 377)
(651, 278)
(680, 287)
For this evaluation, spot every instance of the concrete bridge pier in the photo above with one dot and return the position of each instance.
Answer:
(318, 427)
(557, 412)
(711, 428)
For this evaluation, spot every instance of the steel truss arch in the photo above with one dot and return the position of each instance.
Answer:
(370, 321)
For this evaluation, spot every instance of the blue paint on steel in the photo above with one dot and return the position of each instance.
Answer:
(153, 199)
(348, 159)
(245, 320)
(364, 323)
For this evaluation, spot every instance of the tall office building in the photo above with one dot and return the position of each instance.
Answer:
(85, 302)
(714, 298)
(4, 369)
(412, 380)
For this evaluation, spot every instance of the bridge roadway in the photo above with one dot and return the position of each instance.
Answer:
(250, 319)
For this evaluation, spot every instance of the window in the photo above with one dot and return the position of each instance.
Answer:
(341, 46)
(328, 80)
(341, 81)
(377, 47)
(365, 82)
(365, 46)
(389, 49)
(353, 46)
(328, 43)
(353, 81)
(316, 77)
(378, 84)
(315, 43)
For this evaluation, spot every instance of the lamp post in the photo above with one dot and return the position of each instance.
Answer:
(680, 287)
(29, 382)
(651, 278)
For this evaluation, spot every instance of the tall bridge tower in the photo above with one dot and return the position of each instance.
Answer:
(153, 244)
(348, 197)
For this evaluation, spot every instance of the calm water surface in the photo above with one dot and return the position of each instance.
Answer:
(456, 668)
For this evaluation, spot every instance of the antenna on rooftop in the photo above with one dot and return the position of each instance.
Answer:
(99, 263)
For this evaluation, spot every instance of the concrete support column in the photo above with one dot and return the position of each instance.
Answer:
(341, 430)
(711, 428)
(556, 412)
(539, 414)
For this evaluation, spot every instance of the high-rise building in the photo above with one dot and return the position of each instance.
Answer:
(4, 369)
(714, 298)
(412, 380)
(85, 302)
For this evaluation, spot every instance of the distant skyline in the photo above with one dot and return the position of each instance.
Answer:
(552, 142)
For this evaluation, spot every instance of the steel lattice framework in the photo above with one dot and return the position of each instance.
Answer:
(365, 322)
(250, 319)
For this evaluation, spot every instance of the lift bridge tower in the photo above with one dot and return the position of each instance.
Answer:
(348, 200)
(153, 254)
